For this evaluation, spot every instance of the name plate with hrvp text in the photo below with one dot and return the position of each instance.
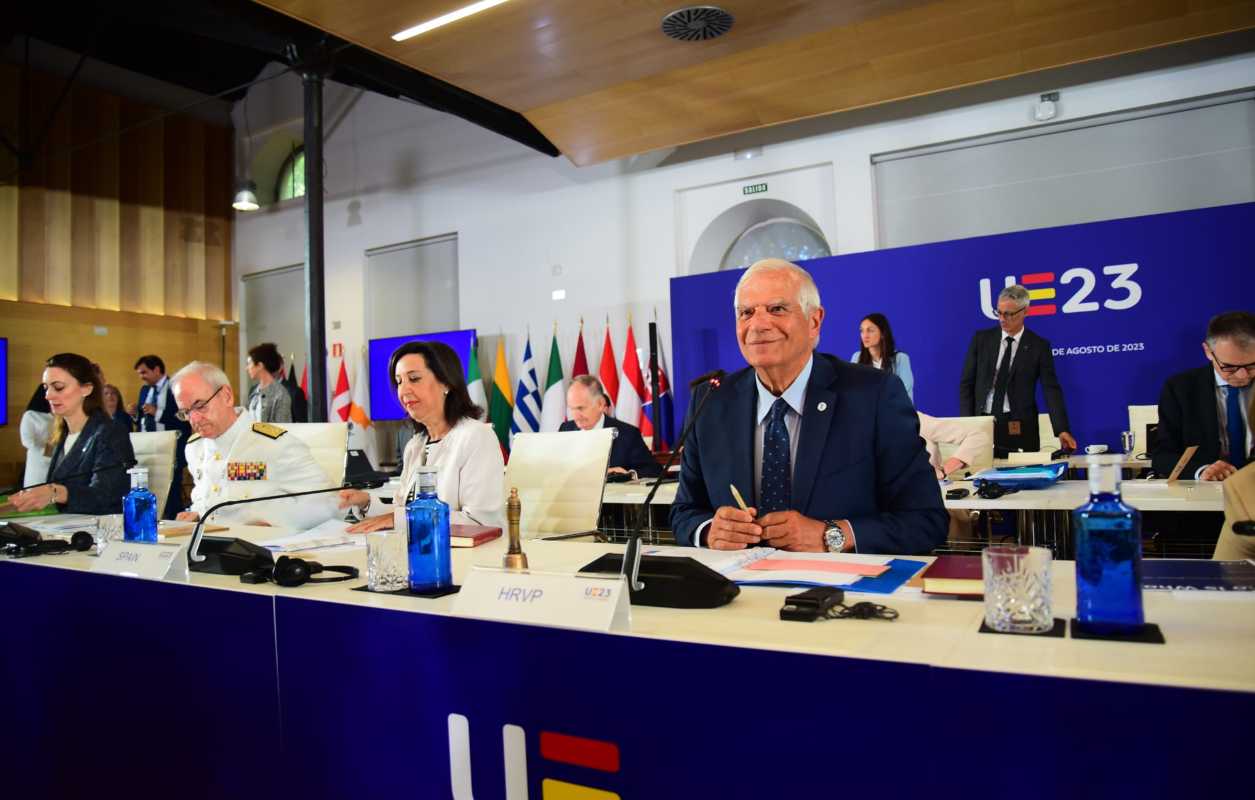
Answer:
(160, 561)
(567, 600)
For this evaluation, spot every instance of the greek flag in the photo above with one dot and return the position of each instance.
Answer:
(526, 417)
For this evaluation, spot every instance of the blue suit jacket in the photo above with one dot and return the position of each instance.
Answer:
(859, 459)
(628, 449)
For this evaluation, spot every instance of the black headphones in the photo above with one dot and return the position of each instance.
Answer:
(297, 571)
(989, 490)
(21, 546)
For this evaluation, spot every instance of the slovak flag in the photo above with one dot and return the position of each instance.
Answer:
(666, 410)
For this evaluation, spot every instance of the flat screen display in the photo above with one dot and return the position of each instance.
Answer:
(383, 396)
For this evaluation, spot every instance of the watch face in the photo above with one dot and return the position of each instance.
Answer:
(834, 539)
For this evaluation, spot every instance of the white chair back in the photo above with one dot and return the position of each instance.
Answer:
(984, 425)
(155, 451)
(327, 441)
(560, 478)
(1049, 441)
(1139, 418)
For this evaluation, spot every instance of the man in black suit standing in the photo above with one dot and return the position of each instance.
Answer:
(1000, 377)
(587, 404)
(156, 411)
(1209, 406)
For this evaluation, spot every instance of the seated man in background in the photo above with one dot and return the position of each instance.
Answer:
(586, 404)
(826, 453)
(233, 457)
(1208, 406)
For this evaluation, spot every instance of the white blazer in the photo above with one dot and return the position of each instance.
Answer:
(472, 473)
(36, 430)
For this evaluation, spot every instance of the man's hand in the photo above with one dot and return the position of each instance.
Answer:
(789, 530)
(1217, 471)
(1066, 440)
(187, 516)
(353, 497)
(150, 409)
(131, 408)
(379, 522)
(733, 529)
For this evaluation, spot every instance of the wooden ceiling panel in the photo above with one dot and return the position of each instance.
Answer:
(599, 79)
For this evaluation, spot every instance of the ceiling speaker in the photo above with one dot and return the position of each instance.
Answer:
(697, 23)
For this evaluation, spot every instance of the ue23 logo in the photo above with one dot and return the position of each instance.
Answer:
(1044, 296)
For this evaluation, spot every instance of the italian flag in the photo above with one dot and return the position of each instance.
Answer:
(500, 403)
(553, 407)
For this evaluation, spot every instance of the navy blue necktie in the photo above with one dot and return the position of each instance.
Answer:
(777, 479)
(1236, 429)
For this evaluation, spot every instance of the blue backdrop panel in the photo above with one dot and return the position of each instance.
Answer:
(383, 392)
(1124, 304)
(689, 720)
(119, 687)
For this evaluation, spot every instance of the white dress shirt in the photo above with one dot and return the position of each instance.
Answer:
(1015, 348)
(157, 396)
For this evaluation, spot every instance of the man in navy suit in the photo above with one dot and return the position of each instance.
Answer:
(587, 404)
(826, 453)
(156, 411)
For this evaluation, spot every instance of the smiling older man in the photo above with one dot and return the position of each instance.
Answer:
(828, 451)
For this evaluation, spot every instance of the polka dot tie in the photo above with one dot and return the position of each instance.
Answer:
(777, 478)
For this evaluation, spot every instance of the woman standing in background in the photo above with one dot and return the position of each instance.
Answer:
(878, 350)
(36, 434)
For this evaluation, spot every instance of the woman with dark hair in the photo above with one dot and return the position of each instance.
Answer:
(116, 408)
(36, 435)
(84, 440)
(270, 401)
(431, 387)
(877, 350)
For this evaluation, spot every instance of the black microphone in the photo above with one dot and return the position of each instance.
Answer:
(227, 555)
(1244, 527)
(124, 464)
(669, 581)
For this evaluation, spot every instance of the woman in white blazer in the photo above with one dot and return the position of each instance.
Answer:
(431, 387)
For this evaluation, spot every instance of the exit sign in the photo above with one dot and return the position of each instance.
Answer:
(754, 188)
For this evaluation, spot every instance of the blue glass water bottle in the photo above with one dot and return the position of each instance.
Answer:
(139, 509)
(1108, 554)
(427, 519)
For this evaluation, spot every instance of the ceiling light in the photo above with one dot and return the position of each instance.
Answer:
(452, 16)
(245, 197)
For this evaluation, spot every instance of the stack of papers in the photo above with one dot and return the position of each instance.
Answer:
(331, 533)
(766, 566)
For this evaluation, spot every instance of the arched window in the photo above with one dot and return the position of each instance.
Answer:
(291, 177)
(780, 237)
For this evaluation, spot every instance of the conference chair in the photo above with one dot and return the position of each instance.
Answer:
(327, 442)
(1140, 418)
(560, 478)
(155, 452)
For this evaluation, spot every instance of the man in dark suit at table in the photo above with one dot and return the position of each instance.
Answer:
(1000, 377)
(1209, 406)
(156, 411)
(827, 453)
(587, 405)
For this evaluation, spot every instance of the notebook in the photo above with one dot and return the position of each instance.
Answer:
(954, 575)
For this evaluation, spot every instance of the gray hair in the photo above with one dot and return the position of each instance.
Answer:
(592, 385)
(807, 292)
(1016, 294)
(1237, 326)
(210, 373)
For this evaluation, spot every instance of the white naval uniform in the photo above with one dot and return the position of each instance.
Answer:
(262, 463)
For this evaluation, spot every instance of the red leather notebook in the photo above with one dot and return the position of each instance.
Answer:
(471, 535)
(958, 575)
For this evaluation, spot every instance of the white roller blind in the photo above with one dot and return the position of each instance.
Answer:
(412, 287)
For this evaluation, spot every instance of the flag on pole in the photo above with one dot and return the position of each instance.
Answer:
(305, 380)
(627, 404)
(580, 365)
(300, 406)
(665, 435)
(553, 407)
(361, 437)
(500, 406)
(475, 381)
(608, 372)
(340, 396)
(526, 417)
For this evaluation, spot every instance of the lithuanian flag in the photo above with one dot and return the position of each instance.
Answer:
(500, 403)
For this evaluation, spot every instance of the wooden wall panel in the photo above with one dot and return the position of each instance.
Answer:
(114, 209)
(112, 339)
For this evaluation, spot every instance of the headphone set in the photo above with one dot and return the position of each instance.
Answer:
(296, 572)
(19, 541)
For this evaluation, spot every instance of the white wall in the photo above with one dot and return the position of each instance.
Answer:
(398, 171)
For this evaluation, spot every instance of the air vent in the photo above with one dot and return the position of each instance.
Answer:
(697, 23)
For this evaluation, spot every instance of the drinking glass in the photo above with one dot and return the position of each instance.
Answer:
(387, 561)
(109, 528)
(1017, 589)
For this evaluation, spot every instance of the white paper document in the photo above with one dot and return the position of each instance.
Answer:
(329, 534)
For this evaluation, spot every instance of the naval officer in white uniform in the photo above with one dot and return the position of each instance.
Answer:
(234, 457)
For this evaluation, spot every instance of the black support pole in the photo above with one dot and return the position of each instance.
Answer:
(315, 255)
(655, 408)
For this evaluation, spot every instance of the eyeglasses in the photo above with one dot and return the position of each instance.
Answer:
(197, 408)
(1012, 314)
(1230, 369)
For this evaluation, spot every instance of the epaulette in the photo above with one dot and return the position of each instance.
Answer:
(268, 430)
